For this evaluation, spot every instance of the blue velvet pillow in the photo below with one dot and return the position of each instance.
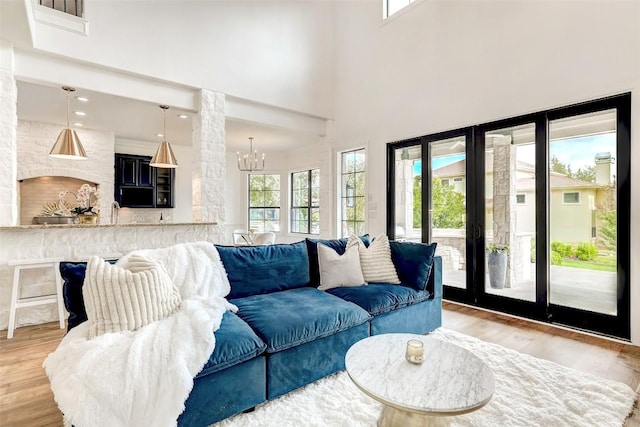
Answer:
(256, 270)
(72, 274)
(338, 245)
(413, 262)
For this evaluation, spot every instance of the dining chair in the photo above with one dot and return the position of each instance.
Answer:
(241, 237)
(267, 238)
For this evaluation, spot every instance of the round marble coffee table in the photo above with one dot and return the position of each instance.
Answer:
(451, 381)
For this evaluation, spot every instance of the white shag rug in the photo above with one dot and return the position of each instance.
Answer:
(529, 392)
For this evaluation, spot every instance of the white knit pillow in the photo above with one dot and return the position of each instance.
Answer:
(339, 270)
(376, 263)
(118, 299)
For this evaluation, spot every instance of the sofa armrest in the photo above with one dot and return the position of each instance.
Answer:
(434, 284)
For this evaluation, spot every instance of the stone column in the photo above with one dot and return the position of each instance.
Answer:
(504, 200)
(8, 138)
(209, 175)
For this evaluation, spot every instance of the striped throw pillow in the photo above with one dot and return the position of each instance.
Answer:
(118, 299)
(375, 261)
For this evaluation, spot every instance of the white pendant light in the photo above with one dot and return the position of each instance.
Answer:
(251, 162)
(68, 145)
(164, 157)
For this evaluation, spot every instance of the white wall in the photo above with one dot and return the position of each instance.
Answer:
(315, 156)
(278, 53)
(182, 212)
(444, 65)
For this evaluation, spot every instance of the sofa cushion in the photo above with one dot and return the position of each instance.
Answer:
(235, 343)
(378, 298)
(126, 299)
(289, 318)
(377, 266)
(254, 270)
(413, 262)
(338, 245)
(72, 274)
(339, 270)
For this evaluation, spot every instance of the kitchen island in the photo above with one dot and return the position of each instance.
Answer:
(78, 242)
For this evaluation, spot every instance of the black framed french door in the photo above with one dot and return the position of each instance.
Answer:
(531, 213)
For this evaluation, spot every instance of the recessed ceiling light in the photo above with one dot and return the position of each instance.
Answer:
(183, 116)
(159, 135)
(79, 113)
(78, 124)
(82, 99)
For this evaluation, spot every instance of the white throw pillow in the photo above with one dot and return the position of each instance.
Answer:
(376, 263)
(339, 270)
(118, 299)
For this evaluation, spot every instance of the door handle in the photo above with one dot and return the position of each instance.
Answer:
(477, 231)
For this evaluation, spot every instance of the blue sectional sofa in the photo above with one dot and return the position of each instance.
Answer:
(287, 333)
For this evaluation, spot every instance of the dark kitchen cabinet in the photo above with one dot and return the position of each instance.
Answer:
(138, 185)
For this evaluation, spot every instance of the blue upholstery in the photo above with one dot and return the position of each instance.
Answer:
(303, 364)
(235, 343)
(225, 393)
(413, 262)
(290, 318)
(378, 298)
(256, 270)
(288, 334)
(72, 274)
(338, 245)
(414, 319)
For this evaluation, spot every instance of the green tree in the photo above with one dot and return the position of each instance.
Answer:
(588, 174)
(558, 166)
(417, 202)
(448, 206)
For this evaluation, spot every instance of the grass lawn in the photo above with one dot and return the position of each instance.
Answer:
(603, 262)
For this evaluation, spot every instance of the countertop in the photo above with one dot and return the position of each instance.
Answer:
(139, 224)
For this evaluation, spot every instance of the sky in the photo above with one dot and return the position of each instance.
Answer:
(576, 152)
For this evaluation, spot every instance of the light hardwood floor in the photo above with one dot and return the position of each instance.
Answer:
(26, 399)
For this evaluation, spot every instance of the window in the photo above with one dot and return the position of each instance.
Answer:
(389, 7)
(352, 194)
(305, 202)
(571, 198)
(521, 199)
(264, 203)
(445, 182)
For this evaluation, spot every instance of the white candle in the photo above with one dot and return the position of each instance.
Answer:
(415, 351)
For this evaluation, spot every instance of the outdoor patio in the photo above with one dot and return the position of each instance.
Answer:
(572, 287)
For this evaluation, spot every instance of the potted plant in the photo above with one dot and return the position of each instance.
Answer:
(86, 198)
(497, 265)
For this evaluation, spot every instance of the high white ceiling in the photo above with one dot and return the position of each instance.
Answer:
(139, 120)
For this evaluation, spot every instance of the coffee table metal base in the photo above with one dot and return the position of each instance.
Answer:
(392, 417)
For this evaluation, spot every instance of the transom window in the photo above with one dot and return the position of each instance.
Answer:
(389, 7)
(352, 193)
(264, 203)
(305, 202)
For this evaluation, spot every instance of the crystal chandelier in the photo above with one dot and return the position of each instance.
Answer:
(250, 162)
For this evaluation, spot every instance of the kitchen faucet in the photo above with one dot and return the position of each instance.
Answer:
(115, 209)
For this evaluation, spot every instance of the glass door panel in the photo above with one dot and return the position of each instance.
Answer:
(448, 208)
(510, 212)
(583, 218)
(408, 193)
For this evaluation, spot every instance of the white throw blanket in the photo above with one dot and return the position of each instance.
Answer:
(143, 378)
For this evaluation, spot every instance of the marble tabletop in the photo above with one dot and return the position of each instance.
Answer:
(451, 381)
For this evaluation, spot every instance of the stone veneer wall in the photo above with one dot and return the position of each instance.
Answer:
(78, 243)
(34, 141)
(8, 122)
(209, 164)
